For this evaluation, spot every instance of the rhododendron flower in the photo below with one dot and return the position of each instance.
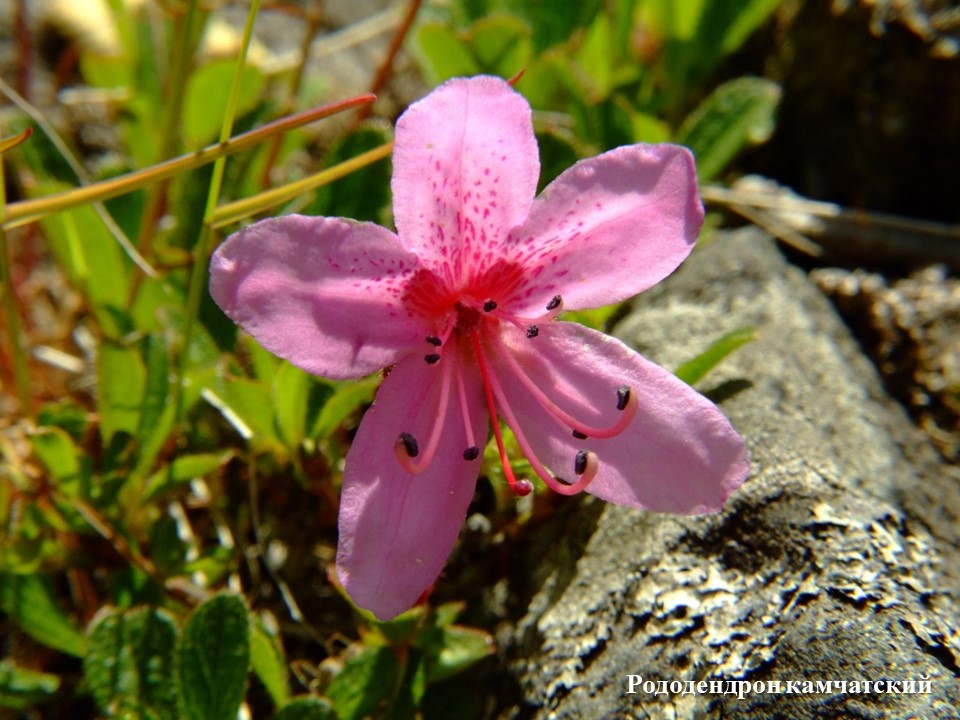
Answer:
(462, 306)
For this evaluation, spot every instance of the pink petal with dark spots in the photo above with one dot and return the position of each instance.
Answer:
(609, 227)
(679, 454)
(324, 293)
(397, 529)
(465, 169)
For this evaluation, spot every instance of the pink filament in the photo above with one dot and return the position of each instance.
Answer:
(464, 408)
(524, 322)
(425, 457)
(519, 487)
(492, 389)
(626, 415)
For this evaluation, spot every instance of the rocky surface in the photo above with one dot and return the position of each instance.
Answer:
(871, 103)
(910, 327)
(837, 560)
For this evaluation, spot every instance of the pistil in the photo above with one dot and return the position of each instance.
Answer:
(586, 465)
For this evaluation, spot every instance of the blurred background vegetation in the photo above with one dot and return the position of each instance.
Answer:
(168, 489)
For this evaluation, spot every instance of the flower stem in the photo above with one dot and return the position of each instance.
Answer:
(383, 72)
(185, 42)
(198, 272)
(239, 209)
(27, 211)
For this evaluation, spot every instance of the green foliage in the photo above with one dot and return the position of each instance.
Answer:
(307, 708)
(619, 72)
(212, 659)
(735, 115)
(694, 369)
(362, 195)
(29, 600)
(129, 662)
(492, 45)
(207, 88)
(269, 662)
(21, 688)
(364, 682)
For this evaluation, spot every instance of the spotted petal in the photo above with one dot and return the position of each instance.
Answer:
(324, 293)
(679, 454)
(397, 529)
(465, 169)
(609, 227)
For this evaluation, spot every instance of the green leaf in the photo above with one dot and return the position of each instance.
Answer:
(306, 707)
(460, 647)
(742, 19)
(557, 153)
(183, 469)
(66, 414)
(595, 59)
(269, 662)
(447, 613)
(92, 259)
(29, 601)
(399, 632)
(501, 45)
(553, 22)
(291, 388)
(214, 656)
(55, 449)
(345, 400)
(693, 370)
(737, 114)
(444, 52)
(364, 193)
(208, 88)
(21, 688)
(156, 384)
(263, 362)
(130, 663)
(250, 402)
(364, 682)
(121, 378)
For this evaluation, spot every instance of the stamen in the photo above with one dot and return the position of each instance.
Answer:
(520, 488)
(489, 306)
(434, 340)
(554, 308)
(407, 448)
(432, 359)
(492, 388)
(580, 462)
(533, 331)
(625, 397)
(471, 453)
(557, 484)
(465, 409)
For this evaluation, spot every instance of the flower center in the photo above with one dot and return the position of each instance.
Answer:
(468, 320)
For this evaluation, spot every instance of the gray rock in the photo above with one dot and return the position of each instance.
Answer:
(822, 567)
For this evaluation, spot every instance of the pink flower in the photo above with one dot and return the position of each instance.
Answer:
(462, 304)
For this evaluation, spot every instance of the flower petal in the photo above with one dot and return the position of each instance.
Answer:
(610, 227)
(321, 292)
(397, 529)
(679, 454)
(465, 169)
